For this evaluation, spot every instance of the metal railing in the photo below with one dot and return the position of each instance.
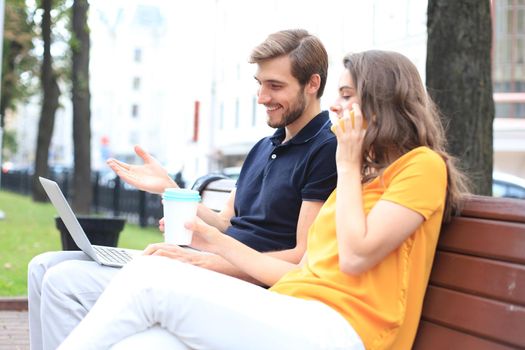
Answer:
(111, 198)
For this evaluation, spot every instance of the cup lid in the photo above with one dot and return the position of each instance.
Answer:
(181, 194)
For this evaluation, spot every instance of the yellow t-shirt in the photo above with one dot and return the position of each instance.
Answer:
(384, 303)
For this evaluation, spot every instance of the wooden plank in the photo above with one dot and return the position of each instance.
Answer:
(506, 209)
(214, 200)
(13, 303)
(485, 238)
(489, 319)
(223, 185)
(484, 277)
(431, 336)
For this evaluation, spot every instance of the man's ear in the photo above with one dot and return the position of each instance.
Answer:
(313, 84)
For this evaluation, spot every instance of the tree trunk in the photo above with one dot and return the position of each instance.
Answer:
(51, 93)
(82, 192)
(459, 80)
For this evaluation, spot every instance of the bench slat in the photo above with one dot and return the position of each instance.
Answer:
(214, 200)
(492, 320)
(485, 238)
(506, 209)
(432, 336)
(488, 278)
(223, 185)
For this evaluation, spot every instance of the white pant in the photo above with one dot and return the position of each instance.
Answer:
(203, 309)
(62, 288)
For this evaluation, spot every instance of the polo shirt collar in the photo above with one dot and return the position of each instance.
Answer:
(309, 131)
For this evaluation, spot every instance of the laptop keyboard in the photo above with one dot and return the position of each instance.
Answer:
(113, 255)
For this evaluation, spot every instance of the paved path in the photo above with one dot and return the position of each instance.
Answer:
(14, 330)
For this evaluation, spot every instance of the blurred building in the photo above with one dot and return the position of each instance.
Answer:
(342, 26)
(508, 74)
(174, 77)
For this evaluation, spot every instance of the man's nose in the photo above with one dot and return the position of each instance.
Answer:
(262, 96)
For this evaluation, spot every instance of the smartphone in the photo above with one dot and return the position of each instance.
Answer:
(352, 119)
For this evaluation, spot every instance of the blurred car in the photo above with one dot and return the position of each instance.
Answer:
(107, 178)
(9, 167)
(232, 172)
(507, 185)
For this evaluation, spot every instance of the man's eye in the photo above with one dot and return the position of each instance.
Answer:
(275, 87)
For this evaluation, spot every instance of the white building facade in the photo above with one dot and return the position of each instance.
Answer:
(153, 63)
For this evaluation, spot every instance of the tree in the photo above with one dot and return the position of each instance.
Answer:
(81, 107)
(51, 93)
(459, 80)
(18, 62)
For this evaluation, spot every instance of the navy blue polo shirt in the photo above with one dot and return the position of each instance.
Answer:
(274, 180)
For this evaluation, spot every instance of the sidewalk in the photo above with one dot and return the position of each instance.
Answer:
(14, 327)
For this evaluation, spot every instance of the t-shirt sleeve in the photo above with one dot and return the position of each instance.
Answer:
(321, 173)
(419, 183)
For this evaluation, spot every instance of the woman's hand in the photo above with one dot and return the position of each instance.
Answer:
(150, 176)
(205, 237)
(350, 134)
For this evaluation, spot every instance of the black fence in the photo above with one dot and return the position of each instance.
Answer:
(111, 197)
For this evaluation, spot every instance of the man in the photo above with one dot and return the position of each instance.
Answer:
(283, 184)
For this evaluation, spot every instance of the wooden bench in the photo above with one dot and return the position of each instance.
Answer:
(476, 295)
(214, 190)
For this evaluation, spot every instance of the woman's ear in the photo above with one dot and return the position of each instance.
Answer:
(313, 84)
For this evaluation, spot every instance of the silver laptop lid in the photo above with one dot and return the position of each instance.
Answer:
(68, 217)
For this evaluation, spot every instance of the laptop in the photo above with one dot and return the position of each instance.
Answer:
(108, 256)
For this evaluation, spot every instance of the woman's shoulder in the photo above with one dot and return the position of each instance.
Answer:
(422, 155)
(421, 160)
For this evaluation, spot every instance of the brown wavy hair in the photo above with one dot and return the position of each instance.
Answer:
(401, 116)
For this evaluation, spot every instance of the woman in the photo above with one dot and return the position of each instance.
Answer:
(362, 281)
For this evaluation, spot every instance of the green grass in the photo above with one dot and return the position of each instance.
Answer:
(29, 229)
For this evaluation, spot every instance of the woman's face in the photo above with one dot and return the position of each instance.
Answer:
(347, 95)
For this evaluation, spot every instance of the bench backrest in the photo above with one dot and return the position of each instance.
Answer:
(476, 295)
(214, 190)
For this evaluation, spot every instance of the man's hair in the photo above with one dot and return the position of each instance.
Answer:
(307, 54)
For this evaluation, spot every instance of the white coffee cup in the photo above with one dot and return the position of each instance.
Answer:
(180, 206)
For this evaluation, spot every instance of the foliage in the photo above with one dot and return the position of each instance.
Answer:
(10, 144)
(19, 62)
(28, 229)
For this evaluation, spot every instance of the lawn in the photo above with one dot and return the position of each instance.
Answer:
(29, 229)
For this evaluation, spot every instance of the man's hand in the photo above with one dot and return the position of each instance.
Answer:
(150, 176)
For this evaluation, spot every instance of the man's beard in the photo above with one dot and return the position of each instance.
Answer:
(295, 113)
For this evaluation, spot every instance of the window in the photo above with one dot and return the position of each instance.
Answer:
(134, 137)
(237, 116)
(136, 83)
(254, 110)
(137, 55)
(221, 116)
(135, 111)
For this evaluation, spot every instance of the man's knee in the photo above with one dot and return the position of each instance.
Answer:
(72, 276)
(39, 265)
